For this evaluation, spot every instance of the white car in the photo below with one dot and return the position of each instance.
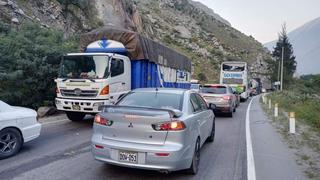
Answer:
(18, 125)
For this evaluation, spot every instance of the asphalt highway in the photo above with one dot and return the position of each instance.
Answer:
(63, 152)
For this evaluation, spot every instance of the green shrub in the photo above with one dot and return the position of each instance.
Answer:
(306, 106)
(26, 78)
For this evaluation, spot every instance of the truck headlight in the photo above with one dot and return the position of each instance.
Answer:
(58, 102)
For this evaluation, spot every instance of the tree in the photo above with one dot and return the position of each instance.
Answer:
(202, 77)
(289, 63)
(26, 78)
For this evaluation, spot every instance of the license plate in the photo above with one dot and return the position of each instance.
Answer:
(76, 107)
(127, 156)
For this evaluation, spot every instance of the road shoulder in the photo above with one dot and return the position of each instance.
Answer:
(273, 158)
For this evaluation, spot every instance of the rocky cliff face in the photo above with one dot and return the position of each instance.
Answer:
(181, 24)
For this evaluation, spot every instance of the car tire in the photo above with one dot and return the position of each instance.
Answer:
(213, 131)
(194, 168)
(230, 114)
(234, 109)
(10, 142)
(75, 116)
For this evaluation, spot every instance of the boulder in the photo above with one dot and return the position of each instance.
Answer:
(183, 32)
(15, 20)
(19, 11)
(2, 3)
(46, 111)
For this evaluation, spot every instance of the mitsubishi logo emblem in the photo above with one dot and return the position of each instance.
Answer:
(130, 125)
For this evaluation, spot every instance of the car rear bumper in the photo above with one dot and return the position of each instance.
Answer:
(226, 109)
(179, 156)
(221, 107)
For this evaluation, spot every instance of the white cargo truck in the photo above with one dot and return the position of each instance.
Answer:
(112, 63)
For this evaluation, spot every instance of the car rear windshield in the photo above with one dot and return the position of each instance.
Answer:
(153, 99)
(214, 89)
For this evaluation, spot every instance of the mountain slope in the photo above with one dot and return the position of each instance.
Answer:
(188, 27)
(209, 11)
(306, 45)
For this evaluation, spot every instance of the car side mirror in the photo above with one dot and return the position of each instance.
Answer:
(213, 107)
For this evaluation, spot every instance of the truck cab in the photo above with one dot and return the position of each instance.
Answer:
(89, 80)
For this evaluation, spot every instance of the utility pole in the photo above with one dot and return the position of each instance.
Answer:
(282, 69)
(279, 69)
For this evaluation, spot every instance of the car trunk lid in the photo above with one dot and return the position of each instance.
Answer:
(134, 124)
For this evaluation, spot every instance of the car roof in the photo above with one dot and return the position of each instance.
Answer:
(162, 90)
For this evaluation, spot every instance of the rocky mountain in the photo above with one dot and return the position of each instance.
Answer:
(209, 11)
(187, 26)
(306, 45)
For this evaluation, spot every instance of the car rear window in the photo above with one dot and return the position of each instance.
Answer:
(153, 99)
(214, 89)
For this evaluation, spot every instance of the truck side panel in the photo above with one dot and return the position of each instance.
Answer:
(146, 74)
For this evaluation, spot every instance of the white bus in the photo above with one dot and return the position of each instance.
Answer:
(235, 74)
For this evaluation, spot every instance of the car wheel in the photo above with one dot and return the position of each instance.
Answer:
(75, 116)
(195, 159)
(213, 131)
(234, 109)
(10, 142)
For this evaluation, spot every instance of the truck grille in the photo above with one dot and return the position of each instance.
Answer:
(79, 93)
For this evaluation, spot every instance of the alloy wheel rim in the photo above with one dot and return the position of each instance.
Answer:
(8, 143)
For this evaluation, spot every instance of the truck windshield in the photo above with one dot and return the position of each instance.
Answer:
(84, 67)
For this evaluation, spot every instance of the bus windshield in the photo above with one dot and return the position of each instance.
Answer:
(233, 67)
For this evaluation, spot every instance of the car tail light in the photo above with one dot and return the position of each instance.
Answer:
(227, 97)
(162, 154)
(169, 126)
(98, 146)
(102, 121)
(105, 90)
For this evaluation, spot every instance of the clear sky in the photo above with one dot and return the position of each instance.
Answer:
(263, 18)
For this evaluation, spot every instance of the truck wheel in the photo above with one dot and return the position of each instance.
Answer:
(75, 116)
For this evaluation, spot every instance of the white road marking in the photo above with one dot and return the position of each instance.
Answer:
(54, 122)
(251, 170)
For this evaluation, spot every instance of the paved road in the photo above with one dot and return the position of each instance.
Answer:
(273, 159)
(62, 152)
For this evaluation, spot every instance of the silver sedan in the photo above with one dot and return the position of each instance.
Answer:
(155, 129)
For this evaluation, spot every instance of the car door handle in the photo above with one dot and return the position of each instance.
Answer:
(123, 83)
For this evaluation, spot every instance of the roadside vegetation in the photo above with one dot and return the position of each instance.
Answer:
(29, 63)
(303, 98)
